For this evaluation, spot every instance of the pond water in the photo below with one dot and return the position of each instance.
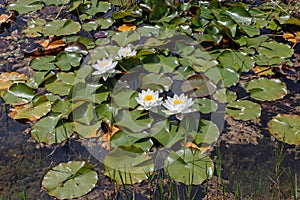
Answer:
(249, 168)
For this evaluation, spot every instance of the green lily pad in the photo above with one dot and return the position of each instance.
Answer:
(275, 49)
(61, 27)
(62, 85)
(225, 77)
(50, 131)
(43, 63)
(286, 128)
(208, 133)
(189, 166)
(18, 93)
(128, 165)
(238, 61)
(25, 6)
(205, 105)
(265, 89)
(65, 61)
(70, 180)
(125, 98)
(224, 96)
(97, 7)
(134, 121)
(198, 86)
(124, 38)
(84, 113)
(34, 27)
(32, 111)
(156, 82)
(243, 110)
(87, 131)
(37, 78)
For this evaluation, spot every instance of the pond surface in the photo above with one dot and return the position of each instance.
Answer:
(249, 168)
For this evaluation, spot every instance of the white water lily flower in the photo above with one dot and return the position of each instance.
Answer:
(178, 105)
(126, 52)
(105, 67)
(148, 99)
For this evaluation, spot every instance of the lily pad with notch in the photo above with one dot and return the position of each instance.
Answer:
(286, 128)
(198, 86)
(265, 89)
(70, 180)
(243, 110)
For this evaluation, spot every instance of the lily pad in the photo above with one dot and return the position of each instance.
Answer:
(18, 93)
(205, 105)
(238, 61)
(43, 63)
(224, 96)
(198, 86)
(8, 78)
(124, 38)
(265, 89)
(226, 77)
(128, 165)
(156, 82)
(32, 111)
(275, 49)
(243, 110)
(25, 6)
(70, 180)
(48, 130)
(61, 27)
(286, 128)
(189, 166)
(135, 120)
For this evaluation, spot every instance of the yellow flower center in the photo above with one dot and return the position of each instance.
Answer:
(104, 63)
(148, 97)
(177, 101)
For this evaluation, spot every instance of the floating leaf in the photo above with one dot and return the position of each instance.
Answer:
(265, 89)
(275, 49)
(205, 105)
(243, 110)
(224, 76)
(124, 38)
(43, 63)
(198, 86)
(32, 111)
(190, 167)
(48, 130)
(87, 131)
(135, 120)
(125, 98)
(34, 27)
(224, 96)
(286, 128)
(61, 27)
(62, 85)
(8, 78)
(238, 61)
(128, 165)
(208, 133)
(65, 61)
(70, 180)
(98, 7)
(156, 82)
(25, 6)
(84, 113)
(18, 93)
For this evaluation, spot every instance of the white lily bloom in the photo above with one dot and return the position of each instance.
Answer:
(148, 99)
(178, 105)
(105, 67)
(126, 52)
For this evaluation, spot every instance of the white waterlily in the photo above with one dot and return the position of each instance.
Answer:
(105, 67)
(178, 105)
(148, 99)
(126, 52)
